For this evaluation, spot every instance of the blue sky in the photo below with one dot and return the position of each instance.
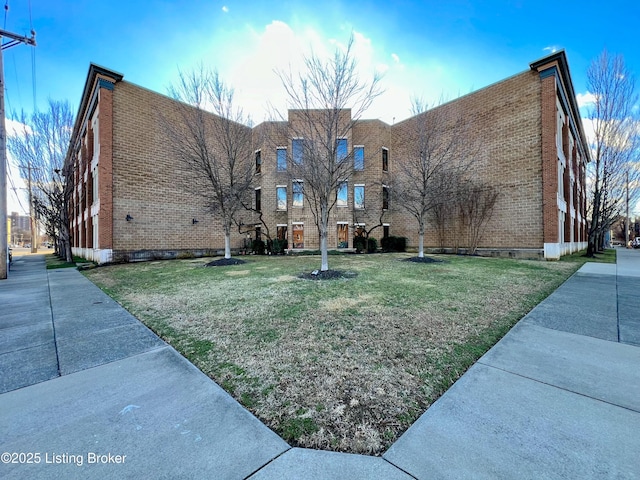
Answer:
(430, 49)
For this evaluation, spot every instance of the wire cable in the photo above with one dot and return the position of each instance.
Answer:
(15, 190)
(33, 76)
(33, 60)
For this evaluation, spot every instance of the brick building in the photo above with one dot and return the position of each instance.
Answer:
(130, 200)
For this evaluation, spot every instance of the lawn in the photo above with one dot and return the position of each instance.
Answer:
(346, 364)
(52, 261)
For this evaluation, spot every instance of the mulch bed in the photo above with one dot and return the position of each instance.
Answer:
(327, 275)
(422, 260)
(223, 262)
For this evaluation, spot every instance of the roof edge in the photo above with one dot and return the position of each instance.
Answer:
(559, 59)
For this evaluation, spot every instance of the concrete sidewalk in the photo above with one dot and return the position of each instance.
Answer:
(95, 394)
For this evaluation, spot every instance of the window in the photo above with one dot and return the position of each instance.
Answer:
(281, 235)
(281, 159)
(281, 232)
(385, 230)
(358, 197)
(281, 197)
(341, 149)
(385, 159)
(358, 158)
(94, 219)
(343, 235)
(95, 138)
(298, 235)
(385, 197)
(258, 200)
(94, 187)
(559, 130)
(258, 232)
(298, 194)
(341, 195)
(560, 180)
(297, 148)
(258, 161)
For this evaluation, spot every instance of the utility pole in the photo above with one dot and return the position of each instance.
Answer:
(4, 251)
(32, 216)
(628, 220)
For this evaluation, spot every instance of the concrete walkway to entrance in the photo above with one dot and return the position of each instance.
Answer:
(87, 391)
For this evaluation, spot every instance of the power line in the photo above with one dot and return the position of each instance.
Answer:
(33, 71)
(15, 190)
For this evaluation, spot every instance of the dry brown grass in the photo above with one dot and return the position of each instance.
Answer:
(344, 364)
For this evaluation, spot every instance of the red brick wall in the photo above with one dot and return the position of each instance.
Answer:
(105, 169)
(549, 160)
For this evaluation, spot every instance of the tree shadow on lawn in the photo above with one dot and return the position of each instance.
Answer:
(423, 260)
(223, 262)
(327, 275)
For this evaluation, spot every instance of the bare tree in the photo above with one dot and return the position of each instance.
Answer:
(448, 190)
(40, 148)
(616, 143)
(212, 139)
(475, 202)
(325, 100)
(373, 213)
(438, 150)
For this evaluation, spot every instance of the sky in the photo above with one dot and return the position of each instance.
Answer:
(431, 49)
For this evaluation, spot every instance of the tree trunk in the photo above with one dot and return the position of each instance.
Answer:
(322, 231)
(227, 241)
(421, 242)
(323, 253)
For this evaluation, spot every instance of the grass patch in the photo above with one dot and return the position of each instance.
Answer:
(608, 256)
(345, 364)
(52, 261)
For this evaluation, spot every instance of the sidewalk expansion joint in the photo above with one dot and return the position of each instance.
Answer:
(399, 468)
(560, 388)
(53, 326)
(262, 467)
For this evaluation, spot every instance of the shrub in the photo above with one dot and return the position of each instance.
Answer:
(372, 245)
(359, 243)
(258, 247)
(278, 246)
(394, 244)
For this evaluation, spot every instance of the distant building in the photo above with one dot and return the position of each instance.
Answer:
(128, 203)
(19, 230)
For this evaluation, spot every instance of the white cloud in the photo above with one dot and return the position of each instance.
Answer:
(251, 56)
(551, 49)
(253, 76)
(589, 130)
(15, 128)
(585, 99)
(225, 9)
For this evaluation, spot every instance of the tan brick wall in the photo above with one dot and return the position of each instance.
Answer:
(151, 185)
(106, 172)
(139, 176)
(371, 134)
(148, 183)
(506, 119)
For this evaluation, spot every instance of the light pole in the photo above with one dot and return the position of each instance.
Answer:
(4, 251)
